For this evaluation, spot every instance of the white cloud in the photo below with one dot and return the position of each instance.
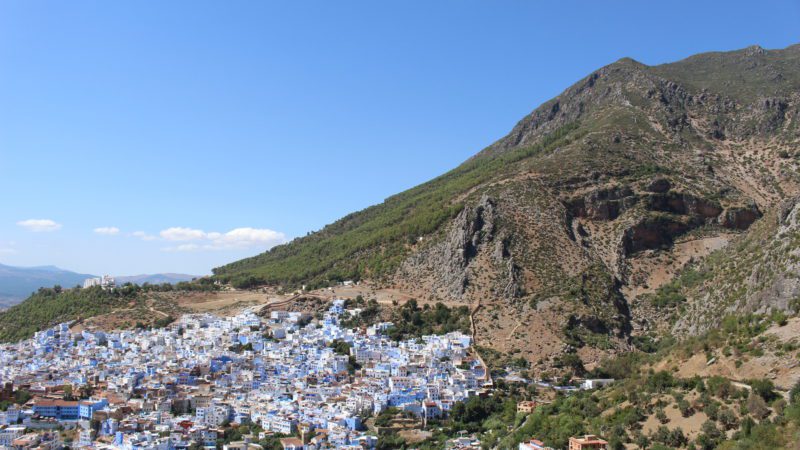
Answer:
(39, 225)
(182, 234)
(248, 237)
(108, 231)
(237, 238)
(143, 236)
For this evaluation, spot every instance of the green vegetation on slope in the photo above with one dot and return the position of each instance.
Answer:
(374, 241)
(410, 320)
(50, 306)
(693, 413)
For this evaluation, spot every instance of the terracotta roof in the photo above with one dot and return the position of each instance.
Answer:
(49, 403)
(294, 442)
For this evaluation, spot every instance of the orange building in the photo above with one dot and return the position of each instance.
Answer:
(526, 406)
(587, 442)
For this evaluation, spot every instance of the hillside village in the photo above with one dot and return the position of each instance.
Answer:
(176, 386)
(305, 383)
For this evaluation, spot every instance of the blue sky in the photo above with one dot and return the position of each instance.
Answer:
(141, 137)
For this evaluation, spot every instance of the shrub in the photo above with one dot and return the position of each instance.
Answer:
(660, 381)
(757, 406)
(686, 408)
(728, 419)
(764, 388)
(794, 394)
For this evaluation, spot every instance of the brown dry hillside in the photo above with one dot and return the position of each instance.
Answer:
(566, 229)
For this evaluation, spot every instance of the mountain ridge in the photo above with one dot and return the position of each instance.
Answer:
(546, 119)
(589, 205)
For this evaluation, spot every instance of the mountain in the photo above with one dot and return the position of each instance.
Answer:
(158, 278)
(642, 203)
(572, 229)
(17, 283)
(642, 226)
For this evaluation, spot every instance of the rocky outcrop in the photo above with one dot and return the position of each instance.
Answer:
(658, 186)
(448, 264)
(668, 214)
(774, 283)
(740, 218)
(651, 233)
(471, 229)
(602, 204)
(511, 285)
(771, 113)
(684, 205)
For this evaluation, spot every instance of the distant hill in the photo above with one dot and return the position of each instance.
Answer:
(158, 278)
(17, 283)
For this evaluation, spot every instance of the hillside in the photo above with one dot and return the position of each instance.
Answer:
(562, 231)
(17, 283)
(123, 307)
(47, 307)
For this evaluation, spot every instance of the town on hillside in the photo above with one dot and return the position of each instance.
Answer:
(291, 380)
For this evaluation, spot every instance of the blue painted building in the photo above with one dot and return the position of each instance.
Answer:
(57, 409)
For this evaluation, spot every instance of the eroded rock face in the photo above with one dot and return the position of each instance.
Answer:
(772, 112)
(740, 218)
(668, 214)
(511, 287)
(472, 228)
(780, 272)
(659, 185)
(449, 262)
(652, 233)
(683, 204)
(602, 204)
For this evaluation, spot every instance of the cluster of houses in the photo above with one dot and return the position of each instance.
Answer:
(310, 382)
(585, 442)
(105, 282)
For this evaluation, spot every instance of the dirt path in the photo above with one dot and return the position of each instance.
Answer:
(163, 314)
(487, 376)
(513, 331)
